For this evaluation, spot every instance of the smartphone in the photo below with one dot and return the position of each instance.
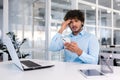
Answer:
(66, 39)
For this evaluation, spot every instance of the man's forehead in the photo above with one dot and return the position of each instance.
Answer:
(74, 19)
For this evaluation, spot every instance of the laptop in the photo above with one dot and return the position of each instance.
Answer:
(24, 65)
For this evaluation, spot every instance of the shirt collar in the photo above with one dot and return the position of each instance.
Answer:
(80, 33)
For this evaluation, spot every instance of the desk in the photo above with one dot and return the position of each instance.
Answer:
(61, 71)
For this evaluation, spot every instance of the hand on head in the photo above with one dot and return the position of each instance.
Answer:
(64, 25)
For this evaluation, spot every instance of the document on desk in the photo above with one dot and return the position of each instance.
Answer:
(90, 73)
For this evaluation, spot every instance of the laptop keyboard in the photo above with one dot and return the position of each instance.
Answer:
(29, 63)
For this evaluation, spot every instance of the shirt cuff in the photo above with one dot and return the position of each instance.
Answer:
(82, 56)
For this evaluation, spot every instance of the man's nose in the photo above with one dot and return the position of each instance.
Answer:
(73, 23)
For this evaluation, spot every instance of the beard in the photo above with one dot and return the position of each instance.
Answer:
(75, 30)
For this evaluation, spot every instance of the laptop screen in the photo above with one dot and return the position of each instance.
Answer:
(10, 47)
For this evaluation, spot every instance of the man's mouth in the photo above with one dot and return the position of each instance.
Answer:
(74, 28)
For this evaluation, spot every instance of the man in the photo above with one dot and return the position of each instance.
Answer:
(83, 48)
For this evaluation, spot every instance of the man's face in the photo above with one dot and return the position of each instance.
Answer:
(75, 26)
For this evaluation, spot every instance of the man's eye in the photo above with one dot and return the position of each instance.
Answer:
(70, 22)
(76, 20)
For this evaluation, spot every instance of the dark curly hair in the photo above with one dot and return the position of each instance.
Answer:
(74, 14)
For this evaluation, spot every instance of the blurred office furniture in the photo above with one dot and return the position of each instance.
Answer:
(114, 50)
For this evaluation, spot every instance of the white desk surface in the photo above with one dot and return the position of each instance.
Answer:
(61, 71)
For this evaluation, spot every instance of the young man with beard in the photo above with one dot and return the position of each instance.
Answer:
(83, 48)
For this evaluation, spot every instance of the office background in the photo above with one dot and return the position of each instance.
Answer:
(39, 20)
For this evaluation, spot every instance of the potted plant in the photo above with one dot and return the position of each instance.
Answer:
(17, 45)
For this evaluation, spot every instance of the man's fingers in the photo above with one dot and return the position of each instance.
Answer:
(69, 48)
(73, 42)
(67, 44)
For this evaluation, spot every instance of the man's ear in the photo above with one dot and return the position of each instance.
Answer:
(82, 24)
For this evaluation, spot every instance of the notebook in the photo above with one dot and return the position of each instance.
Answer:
(24, 65)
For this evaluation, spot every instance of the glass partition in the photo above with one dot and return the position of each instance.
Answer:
(27, 20)
(105, 36)
(116, 37)
(105, 3)
(1, 27)
(1, 22)
(116, 21)
(91, 30)
(104, 18)
(16, 19)
(89, 12)
(116, 4)
(39, 28)
(58, 10)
